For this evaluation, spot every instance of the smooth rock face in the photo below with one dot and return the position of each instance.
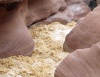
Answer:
(36, 10)
(85, 34)
(57, 10)
(42, 9)
(15, 39)
(75, 9)
(81, 63)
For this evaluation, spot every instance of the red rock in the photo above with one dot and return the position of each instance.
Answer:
(15, 39)
(85, 34)
(75, 9)
(81, 63)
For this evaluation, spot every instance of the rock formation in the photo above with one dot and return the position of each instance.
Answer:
(75, 9)
(16, 15)
(84, 40)
(14, 19)
(85, 34)
(81, 63)
(15, 39)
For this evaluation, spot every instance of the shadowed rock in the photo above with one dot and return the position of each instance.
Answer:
(9, 1)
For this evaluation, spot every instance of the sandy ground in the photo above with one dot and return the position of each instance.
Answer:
(48, 53)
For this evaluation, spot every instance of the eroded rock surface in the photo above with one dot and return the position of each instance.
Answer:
(15, 39)
(81, 63)
(75, 9)
(16, 15)
(85, 34)
(57, 10)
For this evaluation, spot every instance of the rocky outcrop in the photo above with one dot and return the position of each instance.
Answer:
(81, 63)
(85, 34)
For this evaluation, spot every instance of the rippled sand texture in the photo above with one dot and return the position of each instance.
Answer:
(48, 53)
